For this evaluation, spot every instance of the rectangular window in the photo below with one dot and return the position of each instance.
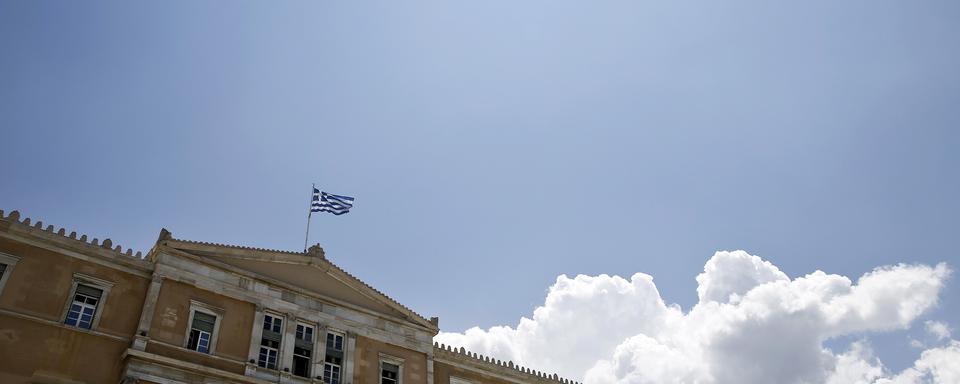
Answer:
(335, 341)
(84, 306)
(272, 323)
(331, 370)
(269, 349)
(389, 373)
(334, 359)
(305, 333)
(303, 350)
(270, 341)
(201, 331)
(7, 263)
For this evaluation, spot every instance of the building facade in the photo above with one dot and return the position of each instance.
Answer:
(79, 310)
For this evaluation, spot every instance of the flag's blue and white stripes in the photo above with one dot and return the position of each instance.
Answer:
(328, 202)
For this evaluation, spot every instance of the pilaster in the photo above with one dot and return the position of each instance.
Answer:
(146, 315)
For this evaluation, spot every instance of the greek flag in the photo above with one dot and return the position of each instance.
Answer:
(328, 202)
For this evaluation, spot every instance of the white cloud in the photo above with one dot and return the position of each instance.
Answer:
(936, 365)
(938, 329)
(753, 324)
(728, 275)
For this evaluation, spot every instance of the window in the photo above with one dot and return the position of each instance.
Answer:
(389, 373)
(335, 341)
(201, 331)
(269, 349)
(334, 358)
(272, 323)
(84, 307)
(331, 370)
(391, 369)
(302, 350)
(204, 326)
(7, 262)
(270, 341)
(305, 333)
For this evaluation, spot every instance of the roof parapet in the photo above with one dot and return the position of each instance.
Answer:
(521, 372)
(14, 217)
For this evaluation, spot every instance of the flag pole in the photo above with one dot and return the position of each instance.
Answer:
(309, 213)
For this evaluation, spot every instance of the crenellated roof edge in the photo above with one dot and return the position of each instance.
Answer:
(486, 363)
(105, 248)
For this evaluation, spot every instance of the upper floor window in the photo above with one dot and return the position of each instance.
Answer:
(201, 332)
(335, 341)
(272, 323)
(7, 262)
(305, 333)
(334, 358)
(303, 350)
(204, 327)
(84, 306)
(270, 341)
(391, 369)
(389, 373)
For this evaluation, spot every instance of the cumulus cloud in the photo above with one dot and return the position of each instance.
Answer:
(752, 324)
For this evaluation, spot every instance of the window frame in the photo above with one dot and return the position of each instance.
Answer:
(276, 362)
(273, 323)
(341, 368)
(393, 360)
(10, 261)
(343, 340)
(217, 313)
(313, 331)
(459, 380)
(81, 279)
(280, 343)
(312, 359)
(323, 375)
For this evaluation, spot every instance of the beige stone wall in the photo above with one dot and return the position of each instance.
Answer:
(41, 282)
(367, 363)
(172, 313)
(29, 348)
(442, 373)
(34, 342)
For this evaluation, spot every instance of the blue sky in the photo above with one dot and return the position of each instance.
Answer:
(495, 145)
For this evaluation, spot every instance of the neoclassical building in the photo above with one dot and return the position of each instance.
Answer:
(78, 310)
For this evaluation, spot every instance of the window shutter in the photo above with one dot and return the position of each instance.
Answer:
(300, 343)
(387, 367)
(89, 291)
(204, 322)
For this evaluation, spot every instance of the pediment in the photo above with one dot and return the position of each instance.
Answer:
(308, 271)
